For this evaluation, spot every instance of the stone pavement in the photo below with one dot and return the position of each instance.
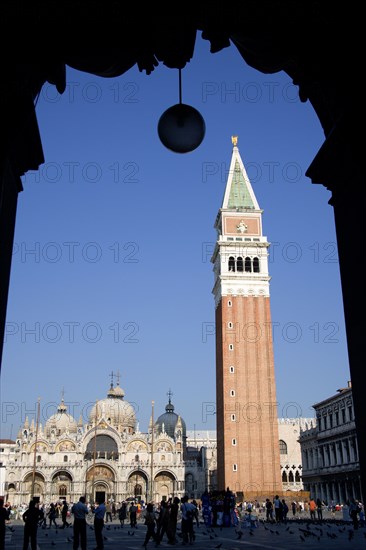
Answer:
(291, 536)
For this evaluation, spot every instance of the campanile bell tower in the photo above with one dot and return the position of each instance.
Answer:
(247, 427)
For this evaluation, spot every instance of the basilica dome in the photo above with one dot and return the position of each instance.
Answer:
(61, 422)
(114, 410)
(169, 421)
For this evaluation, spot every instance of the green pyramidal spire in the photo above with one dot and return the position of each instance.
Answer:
(239, 192)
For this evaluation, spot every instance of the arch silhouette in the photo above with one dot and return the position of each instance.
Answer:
(307, 41)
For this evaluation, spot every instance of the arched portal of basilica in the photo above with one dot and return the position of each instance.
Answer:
(100, 483)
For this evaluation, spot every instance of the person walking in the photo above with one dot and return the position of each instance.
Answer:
(173, 520)
(99, 513)
(122, 513)
(108, 512)
(43, 519)
(80, 511)
(31, 518)
(197, 513)
(277, 508)
(133, 515)
(188, 514)
(163, 520)
(52, 516)
(64, 512)
(284, 510)
(3, 519)
(362, 514)
(354, 510)
(269, 510)
(293, 508)
(150, 524)
(312, 508)
(319, 509)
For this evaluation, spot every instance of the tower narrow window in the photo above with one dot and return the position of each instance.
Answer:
(233, 442)
(229, 303)
(235, 467)
(256, 265)
(231, 347)
(248, 265)
(232, 370)
(231, 263)
(232, 393)
(239, 264)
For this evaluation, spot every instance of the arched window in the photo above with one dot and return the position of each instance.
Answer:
(284, 477)
(66, 458)
(104, 446)
(248, 265)
(231, 263)
(137, 458)
(38, 458)
(239, 264)
(62, 490)
(297, 476)
(283, 447)
(290, 477)
(256, 265)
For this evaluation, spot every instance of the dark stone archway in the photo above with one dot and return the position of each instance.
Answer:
(317, 44)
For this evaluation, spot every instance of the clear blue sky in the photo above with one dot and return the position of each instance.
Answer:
(122, 231)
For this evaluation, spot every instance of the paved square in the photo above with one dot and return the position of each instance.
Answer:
(288, 536)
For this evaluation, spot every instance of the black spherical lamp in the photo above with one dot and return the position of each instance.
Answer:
(181, 128)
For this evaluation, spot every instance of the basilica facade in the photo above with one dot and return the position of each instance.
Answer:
(109, 457)
(106, 457)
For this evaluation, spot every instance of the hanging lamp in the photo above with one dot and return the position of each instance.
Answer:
(181, 128)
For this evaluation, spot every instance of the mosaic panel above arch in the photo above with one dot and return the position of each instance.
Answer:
(66, 445)
(100, 472)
